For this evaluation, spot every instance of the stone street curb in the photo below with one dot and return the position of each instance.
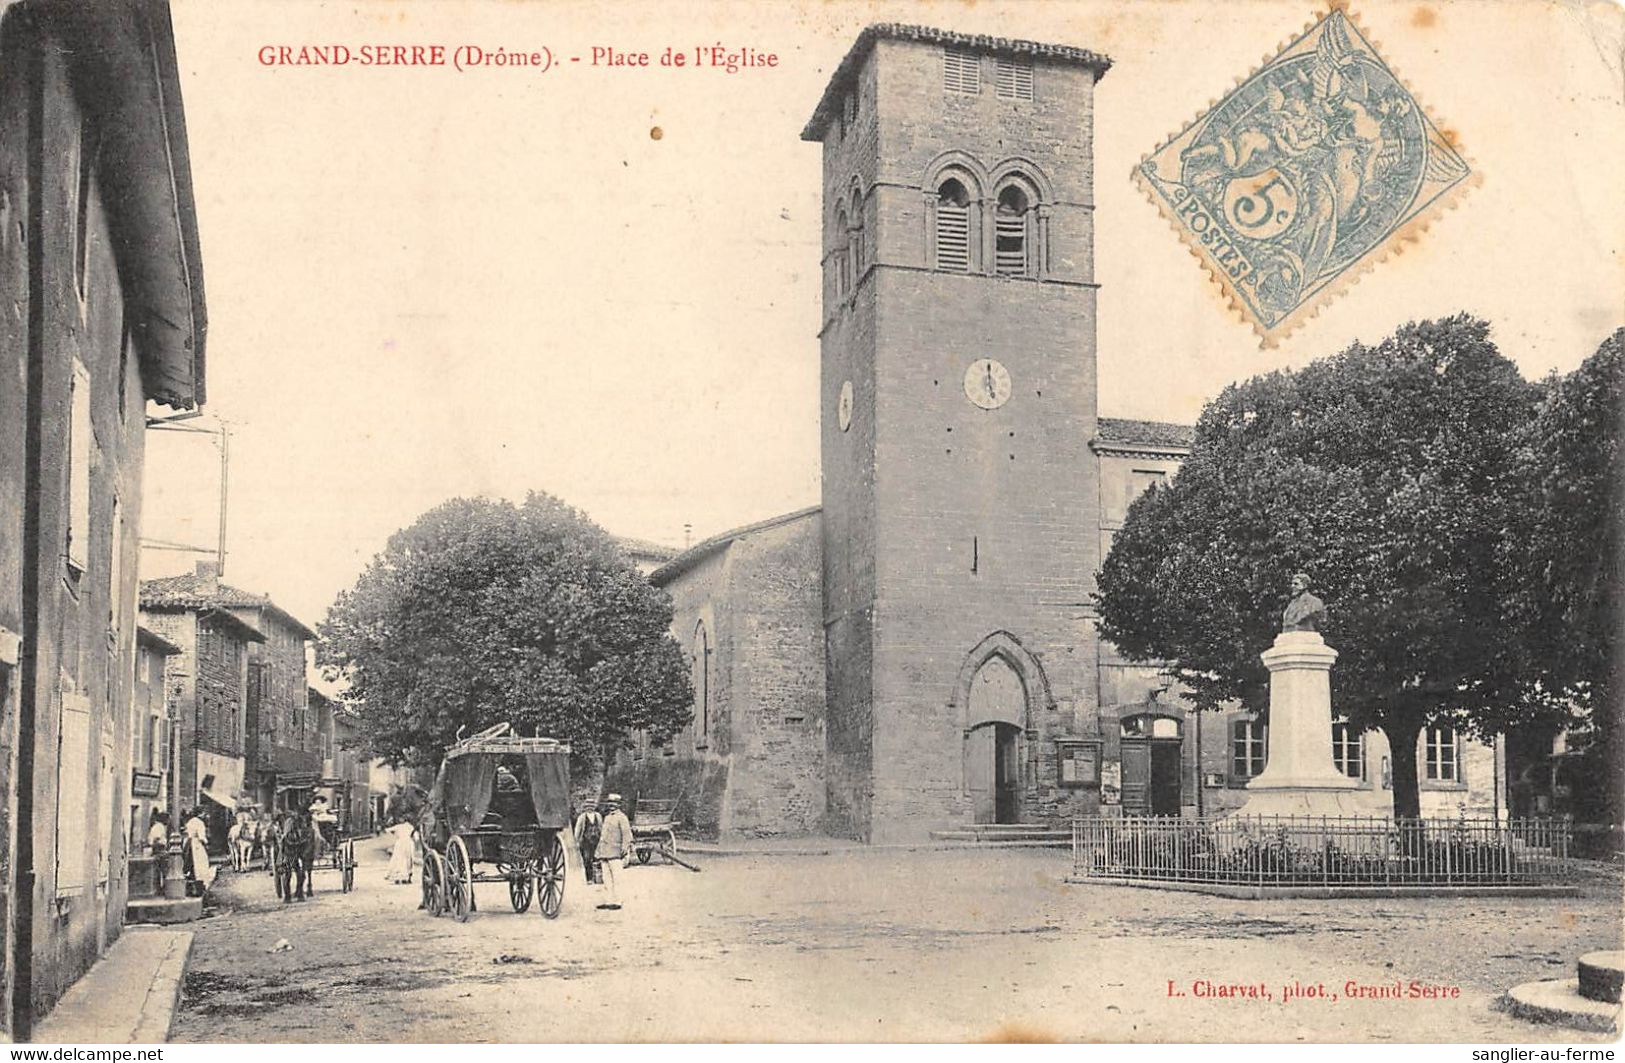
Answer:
(129, 995)
(703, 849)
(164, 994)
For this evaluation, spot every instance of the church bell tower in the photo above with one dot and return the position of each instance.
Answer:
(960, 494)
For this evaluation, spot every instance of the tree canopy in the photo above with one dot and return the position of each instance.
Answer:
(483, 612)
(1565, 554)
(1389, 474)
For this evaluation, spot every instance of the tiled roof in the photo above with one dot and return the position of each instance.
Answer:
(703, 549)
(646, 548)
(157, 643)
(1153, 433)
(847, 70)
(194, 591)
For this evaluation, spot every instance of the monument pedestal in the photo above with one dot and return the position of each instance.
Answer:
(1300, 778)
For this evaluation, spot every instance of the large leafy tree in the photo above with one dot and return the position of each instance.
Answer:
(483, 612)
(1565, 555)
(1387, 473)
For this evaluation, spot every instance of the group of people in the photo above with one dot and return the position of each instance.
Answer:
(194, 849)
(605, 841)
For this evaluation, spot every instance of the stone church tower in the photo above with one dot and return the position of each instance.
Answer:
(960, 494)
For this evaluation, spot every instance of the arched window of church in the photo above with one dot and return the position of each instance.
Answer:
(1010, 221)
(702, 688)
(842, 255)
(855, 241)
(953, 226)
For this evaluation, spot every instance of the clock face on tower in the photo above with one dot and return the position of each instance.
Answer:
(987, 383)
(843, 408)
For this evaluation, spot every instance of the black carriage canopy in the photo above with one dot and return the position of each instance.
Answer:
(467, 784)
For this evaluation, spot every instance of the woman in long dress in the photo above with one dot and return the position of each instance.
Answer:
(400, 858)
(197, 839)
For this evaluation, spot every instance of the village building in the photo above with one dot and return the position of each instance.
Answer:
(207, 686)
(154, 787)
(346, 771)
(247, 728)
(920, 651)
(99, 259)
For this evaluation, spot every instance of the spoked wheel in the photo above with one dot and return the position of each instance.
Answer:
(459, 880)
(347, 866)
(426, 879)
(522, 885)
(550, 878)
(434, 883)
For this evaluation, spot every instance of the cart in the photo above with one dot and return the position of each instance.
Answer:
(654, 829)
(498, 802)
(335, 848)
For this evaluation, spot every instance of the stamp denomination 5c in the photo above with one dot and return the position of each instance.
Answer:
(1304, 175)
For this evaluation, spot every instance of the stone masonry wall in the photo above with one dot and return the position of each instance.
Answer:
(774, 659)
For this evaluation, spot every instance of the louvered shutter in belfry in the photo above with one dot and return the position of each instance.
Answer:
(1013, 79)
(961, 72)
(953, 238)
(1010, 251)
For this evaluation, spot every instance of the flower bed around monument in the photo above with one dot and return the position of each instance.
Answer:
(1332, 852)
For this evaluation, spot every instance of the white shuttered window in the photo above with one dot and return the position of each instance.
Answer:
(953, 227)
(1013, 78)
(961, 72)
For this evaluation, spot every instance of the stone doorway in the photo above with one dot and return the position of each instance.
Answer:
(1151, 752)
(993, 772)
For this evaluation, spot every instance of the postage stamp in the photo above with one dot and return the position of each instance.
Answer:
(1306, 174)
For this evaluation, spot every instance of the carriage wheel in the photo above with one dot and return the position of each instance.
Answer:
(550, 878)
(441, 899)
(426, 879)
(347, 866)
(522, 885)
(459, 879)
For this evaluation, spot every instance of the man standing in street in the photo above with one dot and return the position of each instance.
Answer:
(588, 829)
(614, 848)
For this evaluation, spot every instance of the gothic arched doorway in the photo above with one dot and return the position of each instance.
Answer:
(996, 711)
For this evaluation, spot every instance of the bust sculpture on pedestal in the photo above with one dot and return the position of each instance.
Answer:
(1299, 777)
(1304, 612)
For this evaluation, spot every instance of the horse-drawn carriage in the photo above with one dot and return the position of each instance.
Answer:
(298, 845)
(500, 800)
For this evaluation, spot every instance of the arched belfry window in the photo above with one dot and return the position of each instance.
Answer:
(953, 226)
(841, 258)
(702, 688)
(855, 241)
(1011, 232)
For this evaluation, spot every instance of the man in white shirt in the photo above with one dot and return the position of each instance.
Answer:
(614, 848)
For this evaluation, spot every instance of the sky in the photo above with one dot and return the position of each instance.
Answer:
(425, 283)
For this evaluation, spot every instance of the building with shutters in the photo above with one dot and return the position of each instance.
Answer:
(240, 691)
(919, 652)
(100, 264)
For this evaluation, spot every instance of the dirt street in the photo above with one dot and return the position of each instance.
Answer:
(879, 945)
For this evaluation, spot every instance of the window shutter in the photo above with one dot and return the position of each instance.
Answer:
(1010, 245)
(1013, 79)
(73, 792)
(961, 72)
(953, 238)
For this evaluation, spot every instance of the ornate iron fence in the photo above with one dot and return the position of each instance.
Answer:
(1330, 851)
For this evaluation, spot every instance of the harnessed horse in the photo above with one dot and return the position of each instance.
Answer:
(295, 853)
